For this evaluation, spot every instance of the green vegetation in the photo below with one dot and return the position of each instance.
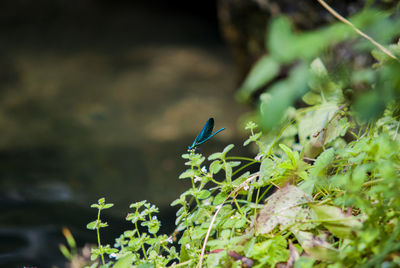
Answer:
(327, 190)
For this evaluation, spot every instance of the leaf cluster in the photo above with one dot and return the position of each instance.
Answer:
(327, 191)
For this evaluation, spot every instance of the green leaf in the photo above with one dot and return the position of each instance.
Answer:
(316, 246)
(227, 149)
(312, 125)
(280, 39)
(241, 179)
(265, 69)
(284, 208)
(337, 127)
(189, 173)
(322, 162)
(228, 171)
(125, 261)
(293, 156)
(184, 254)
(252, 138)
(137, 204)
(311, 98)
(266, 169)
(240, 223)
(234, 163)
(109, 250)
(269, 252)
(203, 194)
(304, 262)
(94, 255)
(103, 224)
(340, 224)
(215, 156)
(318, 68)
(219, 198)
(180, 211)
(199, 233)
(177, 202)
(92, 225)
(108, 206)
(153, 225)
(282, 95)
(215, 259)
(251, 125)
(64, 250)
(215, 166)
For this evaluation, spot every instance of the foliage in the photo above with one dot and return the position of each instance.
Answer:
(327, 190)
(296, 51)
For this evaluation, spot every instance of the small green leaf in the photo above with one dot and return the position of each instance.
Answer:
(64, 250)
(177, 202)
(203, 194)
(109, 250)
(318, 68)
(93, 256)
(227, 149)
(333, 218)
(190, 173)
(322, 162)
(282, 96)
(180, 211)
(234, 163)
(103, 224)
(316, 246)
(241, 179)
(269, 252)
(215, 156)
(228, 172)
(138, 204)
(125, 261)
(108, 206)
(252, 138)
(219, 198)
(266, 169)
(153, 225)
(92, 225)
(215, 166)
(293, 156)
(311, 98)
(251, 125)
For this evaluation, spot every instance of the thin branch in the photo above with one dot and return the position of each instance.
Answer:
(344, 20)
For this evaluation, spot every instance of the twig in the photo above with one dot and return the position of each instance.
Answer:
(344, 20)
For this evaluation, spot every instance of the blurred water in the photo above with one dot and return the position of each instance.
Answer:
(100, 99)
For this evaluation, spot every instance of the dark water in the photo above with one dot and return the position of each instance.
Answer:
(100, 99)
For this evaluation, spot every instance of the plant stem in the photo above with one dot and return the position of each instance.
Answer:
(240, 211)
(139, 236)
(98, 237)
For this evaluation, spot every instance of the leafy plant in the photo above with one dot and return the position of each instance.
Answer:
(327, 190)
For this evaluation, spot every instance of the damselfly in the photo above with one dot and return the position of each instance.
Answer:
(205, 134)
